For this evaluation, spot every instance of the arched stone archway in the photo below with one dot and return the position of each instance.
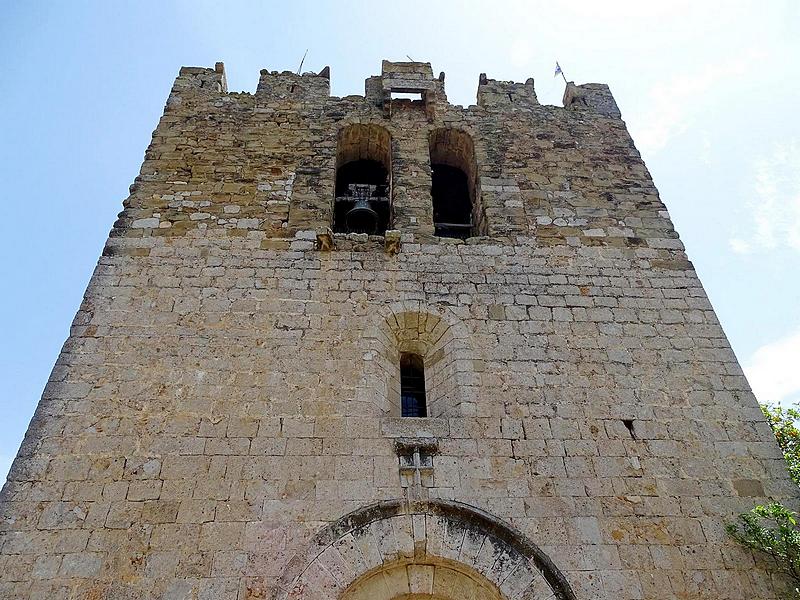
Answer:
(363, 160)
(433, 333)
(436, 549)
(454, 150)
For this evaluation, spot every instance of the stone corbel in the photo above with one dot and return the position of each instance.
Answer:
(325, 239)
(392, 242)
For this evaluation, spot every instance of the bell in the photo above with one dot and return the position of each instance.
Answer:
(361, 218)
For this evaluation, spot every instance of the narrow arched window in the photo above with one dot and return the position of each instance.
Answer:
(362, 202)
(453, 184)
(412, 385)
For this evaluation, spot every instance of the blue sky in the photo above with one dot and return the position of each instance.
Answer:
(709, 91)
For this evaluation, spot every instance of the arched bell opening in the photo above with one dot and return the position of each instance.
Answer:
(362, 201)
(454, 189)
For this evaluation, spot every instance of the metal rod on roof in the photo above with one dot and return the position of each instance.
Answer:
(302, 61)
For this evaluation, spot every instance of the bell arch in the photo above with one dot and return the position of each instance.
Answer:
(437, 549)
(363, 187)
(457, 211)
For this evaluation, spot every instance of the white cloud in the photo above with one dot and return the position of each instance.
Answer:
(740, 246)
(706, 155)
(774, 208)
(521, 52)
(772, 371)
(634, 10)
(672, 102)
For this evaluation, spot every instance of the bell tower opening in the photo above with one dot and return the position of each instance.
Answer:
(362, 202)
(452, 207)
(456, 213)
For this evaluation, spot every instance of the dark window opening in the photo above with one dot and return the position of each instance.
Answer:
(452, 205)
(412, 386)
(362, 198)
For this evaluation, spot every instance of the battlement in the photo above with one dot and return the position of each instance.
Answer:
(401, 81)
(212, 80)
(292, 85)
(411, 78)
(493, 93)
(591, 96)
(407, 74)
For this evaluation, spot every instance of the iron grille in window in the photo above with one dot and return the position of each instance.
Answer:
(412, 386)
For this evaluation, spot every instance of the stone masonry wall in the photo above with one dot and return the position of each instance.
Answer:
(219, 399)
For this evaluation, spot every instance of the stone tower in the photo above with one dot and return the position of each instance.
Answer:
(383, 347)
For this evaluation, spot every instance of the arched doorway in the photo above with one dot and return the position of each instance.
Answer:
(427, 550)
(423, 579)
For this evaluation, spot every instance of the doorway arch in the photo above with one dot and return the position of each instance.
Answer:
(396, 550)
(428, 579)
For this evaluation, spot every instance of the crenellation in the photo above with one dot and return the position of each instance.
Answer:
(293, 86)
(508, 95)
(194, 78)
(593, 96)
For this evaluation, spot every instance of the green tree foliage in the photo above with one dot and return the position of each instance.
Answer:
(773, 529)
(784, 425)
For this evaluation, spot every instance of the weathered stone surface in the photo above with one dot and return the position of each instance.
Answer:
(230, 386)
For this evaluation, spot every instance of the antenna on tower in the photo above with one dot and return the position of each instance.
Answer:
(409, 58)
(302, 61)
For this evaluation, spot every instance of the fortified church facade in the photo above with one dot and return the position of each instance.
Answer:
(382, 347)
